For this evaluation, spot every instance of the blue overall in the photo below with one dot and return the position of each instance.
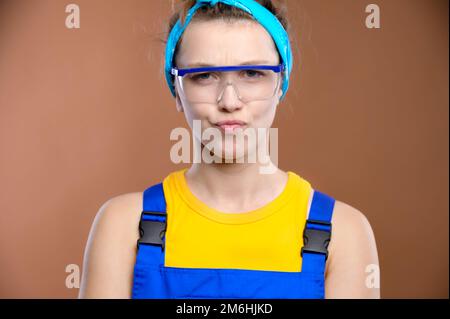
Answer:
(152, 279)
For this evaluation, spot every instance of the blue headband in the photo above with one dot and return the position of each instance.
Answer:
(260, 13)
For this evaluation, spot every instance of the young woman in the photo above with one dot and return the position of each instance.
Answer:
(229, 229)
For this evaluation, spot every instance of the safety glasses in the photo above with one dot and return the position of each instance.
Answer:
(210, 84)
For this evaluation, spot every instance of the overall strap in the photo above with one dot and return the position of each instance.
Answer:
(152, 225)
(317, 233)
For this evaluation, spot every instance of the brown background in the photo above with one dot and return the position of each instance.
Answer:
(85, 115)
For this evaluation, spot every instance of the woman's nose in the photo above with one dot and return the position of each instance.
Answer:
(230, 99)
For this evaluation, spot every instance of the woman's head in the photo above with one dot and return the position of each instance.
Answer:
(224, 35)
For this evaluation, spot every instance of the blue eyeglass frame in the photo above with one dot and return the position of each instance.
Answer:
(182, 72)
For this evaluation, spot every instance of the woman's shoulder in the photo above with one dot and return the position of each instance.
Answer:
(349, 224)
(117, 220)
(121, 209)
(133, 199)
(352, 235)
(352, 255)
(112, 237)
(347, 214)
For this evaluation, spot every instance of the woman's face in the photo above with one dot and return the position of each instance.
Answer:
(220, 43)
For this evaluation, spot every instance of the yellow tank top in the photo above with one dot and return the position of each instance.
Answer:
(268, 238)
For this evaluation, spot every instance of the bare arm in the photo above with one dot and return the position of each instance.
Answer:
(352, 267)
(111, 249)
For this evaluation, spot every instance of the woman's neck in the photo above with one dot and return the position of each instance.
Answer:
(234, 187)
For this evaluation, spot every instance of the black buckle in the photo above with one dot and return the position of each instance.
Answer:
(151, 232)
(314, 240)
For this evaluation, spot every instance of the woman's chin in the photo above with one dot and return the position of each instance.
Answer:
(230, 153)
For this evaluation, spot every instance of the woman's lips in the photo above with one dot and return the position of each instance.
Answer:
(230, 127)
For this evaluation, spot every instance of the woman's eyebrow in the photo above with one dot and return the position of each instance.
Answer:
(202, 64)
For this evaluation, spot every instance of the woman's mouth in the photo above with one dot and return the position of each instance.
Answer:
(230, 126)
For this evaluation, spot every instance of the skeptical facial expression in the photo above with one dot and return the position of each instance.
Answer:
(222, 43)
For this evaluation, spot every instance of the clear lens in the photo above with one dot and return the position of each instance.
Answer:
(209, 87)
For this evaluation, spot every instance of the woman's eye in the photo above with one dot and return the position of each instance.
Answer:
(253, 73)
(201, 76)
